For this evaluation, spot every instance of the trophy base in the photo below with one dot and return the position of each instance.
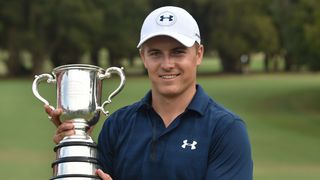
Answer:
(75, 177)
(75, 160)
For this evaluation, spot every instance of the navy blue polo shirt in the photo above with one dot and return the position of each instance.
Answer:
(205, 142)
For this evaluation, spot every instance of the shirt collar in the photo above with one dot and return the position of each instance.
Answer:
(145, 102)
(198, 103)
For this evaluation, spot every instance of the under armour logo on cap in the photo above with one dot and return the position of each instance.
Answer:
(166, 19)
(192, 145)
(170, 21)
(170, 18)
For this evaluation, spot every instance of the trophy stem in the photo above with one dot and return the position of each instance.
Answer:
(80, 127)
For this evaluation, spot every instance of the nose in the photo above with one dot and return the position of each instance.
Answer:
(167, 63)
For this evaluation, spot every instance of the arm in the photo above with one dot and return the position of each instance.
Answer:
(230, 158)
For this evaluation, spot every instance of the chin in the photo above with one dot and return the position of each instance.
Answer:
(169, 91)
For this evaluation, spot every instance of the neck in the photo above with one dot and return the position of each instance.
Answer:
(169, 107)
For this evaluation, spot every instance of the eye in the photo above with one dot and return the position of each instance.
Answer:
(154, 53)
(178, 51)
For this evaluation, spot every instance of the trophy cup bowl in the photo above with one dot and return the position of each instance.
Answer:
(79, 90)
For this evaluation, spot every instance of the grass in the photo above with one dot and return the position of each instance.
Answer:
(282, 113)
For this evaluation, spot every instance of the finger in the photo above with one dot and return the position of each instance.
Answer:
(56, 117)
(65, 129)
(65, 126)
(54, 114)
(59, 136)
(103, 175)
(89, 132)
(47, 109)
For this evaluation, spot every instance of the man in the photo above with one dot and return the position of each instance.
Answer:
(176, 131)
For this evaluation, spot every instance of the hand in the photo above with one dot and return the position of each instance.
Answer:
(103, 175)
(53, 115)
(63, 129)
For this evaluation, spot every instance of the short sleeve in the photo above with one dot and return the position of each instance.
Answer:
(230, 157)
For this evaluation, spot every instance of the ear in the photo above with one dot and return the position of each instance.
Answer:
(199, 54)
(142, 57)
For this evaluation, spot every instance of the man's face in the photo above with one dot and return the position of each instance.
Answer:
(171, 66)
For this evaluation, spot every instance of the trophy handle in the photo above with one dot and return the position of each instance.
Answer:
(36, 81)
(107, 74)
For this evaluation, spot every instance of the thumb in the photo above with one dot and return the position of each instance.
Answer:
(103, 175)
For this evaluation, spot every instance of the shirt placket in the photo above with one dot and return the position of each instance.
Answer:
(157, 129)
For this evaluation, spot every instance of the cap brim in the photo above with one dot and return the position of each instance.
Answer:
(185, 40)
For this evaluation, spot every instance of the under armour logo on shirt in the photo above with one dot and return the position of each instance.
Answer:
(191, 145)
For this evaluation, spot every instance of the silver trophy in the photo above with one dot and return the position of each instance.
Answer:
(79, 89)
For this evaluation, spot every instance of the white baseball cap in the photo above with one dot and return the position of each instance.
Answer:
(170, 21)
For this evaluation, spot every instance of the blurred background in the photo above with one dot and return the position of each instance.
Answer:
(262, 61)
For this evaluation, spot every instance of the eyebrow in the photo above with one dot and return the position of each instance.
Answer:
(180, 48)
(175, 48)
(153, 49)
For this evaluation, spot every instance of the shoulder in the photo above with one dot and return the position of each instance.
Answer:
(118, 121)
(129, 109)
(123, 114)
(222, 116)
(210, 110)
(228, 126)
(214, 116)
(225, 125)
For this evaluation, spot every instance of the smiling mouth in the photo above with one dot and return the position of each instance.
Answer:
(169, 76)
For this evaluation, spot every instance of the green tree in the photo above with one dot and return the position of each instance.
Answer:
(12, 25)
(64, 30)
(59, 29)
(297, 25)
(236, 28)
(73, 24)
(35, 36)
(122, 23)
(312, 36)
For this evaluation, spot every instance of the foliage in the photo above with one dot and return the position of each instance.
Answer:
(64, 30)
(312, 36)
(296, 21)
(122, 22)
